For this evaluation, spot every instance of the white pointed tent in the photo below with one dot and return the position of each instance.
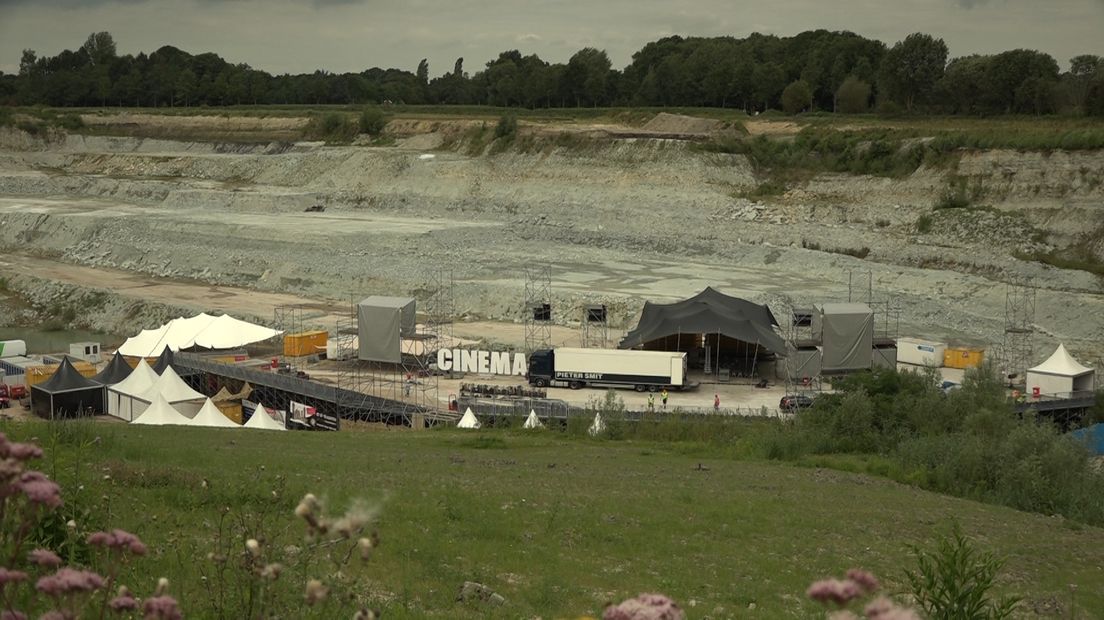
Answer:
(532, 421)
(597, 426)
(262, 420)
(161, 413)
(122, 399)
(210, 416)
(202, 330)
(469, 420)
(173, 389)
(1060, 374)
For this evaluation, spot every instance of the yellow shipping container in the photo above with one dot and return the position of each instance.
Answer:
(962, 358)
(231, 409)
(305, 343)
(40, 374)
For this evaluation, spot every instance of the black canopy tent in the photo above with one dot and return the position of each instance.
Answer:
(164, 361)
(66, 394)
(115, 371)
(734, 329)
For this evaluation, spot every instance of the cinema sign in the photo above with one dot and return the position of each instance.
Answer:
(481, 362)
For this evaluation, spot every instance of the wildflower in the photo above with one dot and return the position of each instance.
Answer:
(272, 571)
(882, 608)
(866, 580)
(39, 489)
(834, 591)
(71, 524)
(162, 587)
(125, 601)
(53, 614)
(11, 576)
(366, 546)
(254, 547)
(161, 608)
(645, 607)
(365, 614)
(24, 451)
(118, 540)
(69, 581)
(316, 592)
(12, 614)
(45, 558)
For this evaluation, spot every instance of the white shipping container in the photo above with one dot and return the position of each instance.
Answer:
(920, 352)
(621, 364)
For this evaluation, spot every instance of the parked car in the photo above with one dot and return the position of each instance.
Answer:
(793, 402)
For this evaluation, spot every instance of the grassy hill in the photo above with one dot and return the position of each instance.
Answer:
(557, 526)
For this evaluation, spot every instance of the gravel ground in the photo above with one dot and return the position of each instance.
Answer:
(620, 222)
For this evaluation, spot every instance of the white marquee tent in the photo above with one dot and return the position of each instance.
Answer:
(469, 420)
(262, 420)
(121, 401)
(202, 330)
(210, 416)
(1060, 374)
(161, 413)
(532, 421)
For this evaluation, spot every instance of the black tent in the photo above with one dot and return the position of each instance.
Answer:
(115, 371)
(164, 361)
(66, 394)
(708, 317)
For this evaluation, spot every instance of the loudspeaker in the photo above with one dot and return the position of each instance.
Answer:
(542, 312)
(596, 314)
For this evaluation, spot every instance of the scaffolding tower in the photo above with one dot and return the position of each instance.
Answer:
(1019, 331)
(594, 327)
(538, 308)
(289, 320)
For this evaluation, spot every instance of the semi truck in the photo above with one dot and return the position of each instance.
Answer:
(578, 368)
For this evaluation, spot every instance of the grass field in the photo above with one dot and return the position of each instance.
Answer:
(557, 526)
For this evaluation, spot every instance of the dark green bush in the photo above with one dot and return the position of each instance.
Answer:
(507, 126)
(372, 121)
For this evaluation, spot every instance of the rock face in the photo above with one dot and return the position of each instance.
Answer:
(620, 221)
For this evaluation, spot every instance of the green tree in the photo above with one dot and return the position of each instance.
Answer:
(27, 63)
(853, 96)
(797, 97)
(1083, 70)
(911, 68)
(423, 72)
(769, 81)
(100, 48)
(588, 76)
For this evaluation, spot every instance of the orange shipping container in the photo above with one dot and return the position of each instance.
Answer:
(231, 409)
(39, 374)
(305, 343)
(962, 358)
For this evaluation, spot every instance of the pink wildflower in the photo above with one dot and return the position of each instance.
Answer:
(68, 581)
(866, 580)
(45, 558)
(11, 576)
(39, 489)
(24, 451)
(161, 608)
(118, 539)
(53, 614)
(12, 614)
(882, 608)
(834, 591)
(645, 607)
(123, 602)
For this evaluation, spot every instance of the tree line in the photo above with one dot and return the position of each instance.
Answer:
(814, 70)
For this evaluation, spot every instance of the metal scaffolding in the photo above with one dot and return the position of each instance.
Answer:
(594, 327)
(538, 308)
(1017, 349)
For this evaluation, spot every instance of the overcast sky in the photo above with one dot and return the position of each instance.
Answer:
(351, 35)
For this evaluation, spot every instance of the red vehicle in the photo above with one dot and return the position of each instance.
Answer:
(13, 391)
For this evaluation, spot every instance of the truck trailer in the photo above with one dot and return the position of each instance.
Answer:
(640, 370)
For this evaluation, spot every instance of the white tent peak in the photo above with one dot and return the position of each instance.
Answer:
(139, 380)
(260, 419)
(532, 421)
(170, 386)
(597, 426)
(1061, 363)
(161, 413)
(211, 416)
(469, 420)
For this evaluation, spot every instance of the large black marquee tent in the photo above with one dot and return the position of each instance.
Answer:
(115, 371)
(66, 394)
(732, 328)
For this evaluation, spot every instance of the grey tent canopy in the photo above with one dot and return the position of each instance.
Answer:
(115, 371)
(66, 393)
(164, 361)
(708, 312)
(381, 323)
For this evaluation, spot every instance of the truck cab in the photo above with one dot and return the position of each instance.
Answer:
(541, 368)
